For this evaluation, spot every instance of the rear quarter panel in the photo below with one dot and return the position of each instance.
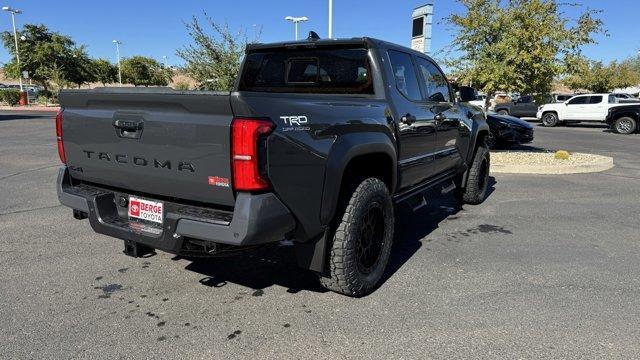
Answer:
(298, 153)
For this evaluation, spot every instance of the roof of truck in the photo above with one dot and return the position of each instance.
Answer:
(366, 41)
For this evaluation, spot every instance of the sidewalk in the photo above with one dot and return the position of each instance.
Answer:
(30, 108)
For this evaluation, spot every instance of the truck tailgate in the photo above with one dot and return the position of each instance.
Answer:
(151, 141)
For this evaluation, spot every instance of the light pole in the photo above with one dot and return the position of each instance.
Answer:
(118, 43)
(330, 19)
(296, 20)
(15, 38)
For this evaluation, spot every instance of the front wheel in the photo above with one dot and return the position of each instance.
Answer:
(550, 120)
(362, 241)
(624, 125)
(503, 112)
(477, 185)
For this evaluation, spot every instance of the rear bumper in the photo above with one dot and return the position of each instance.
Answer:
(187, 229)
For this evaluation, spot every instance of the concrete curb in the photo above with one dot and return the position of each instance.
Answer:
(600, 163)
(30, 108)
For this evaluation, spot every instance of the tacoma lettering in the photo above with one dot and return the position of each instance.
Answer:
(139, 161)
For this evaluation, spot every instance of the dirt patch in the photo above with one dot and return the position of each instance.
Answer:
(523, 162)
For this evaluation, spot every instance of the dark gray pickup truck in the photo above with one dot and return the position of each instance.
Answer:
(316, 144)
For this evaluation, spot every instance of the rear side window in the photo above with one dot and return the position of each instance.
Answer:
(405, 75)
(595, 99)
(331, 71)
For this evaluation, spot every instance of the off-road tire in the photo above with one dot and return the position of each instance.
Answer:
(503, 112)
(624, 125)
(475, 191)
(344, 270)
(550, 119)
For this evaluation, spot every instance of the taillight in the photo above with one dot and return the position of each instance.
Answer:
(246, 136)
(63, 158)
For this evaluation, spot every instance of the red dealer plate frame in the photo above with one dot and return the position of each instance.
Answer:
(146, 210)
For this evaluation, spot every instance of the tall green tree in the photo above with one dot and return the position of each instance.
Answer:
(517, 45)
(597, 77)
(105, 72)
(144, 71)
(81, 67)
(43, 53)
(213, 57)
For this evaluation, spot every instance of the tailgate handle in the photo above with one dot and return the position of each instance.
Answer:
(128, 125)
(129, 129)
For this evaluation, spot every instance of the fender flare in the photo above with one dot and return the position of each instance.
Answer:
(479, 125)
(346, 148)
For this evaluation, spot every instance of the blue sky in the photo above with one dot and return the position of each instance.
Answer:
(156, 28)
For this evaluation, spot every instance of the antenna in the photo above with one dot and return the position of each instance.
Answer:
(313, 36)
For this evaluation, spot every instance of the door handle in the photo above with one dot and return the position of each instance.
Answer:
(408, 119)
(128, 125)
(130, 129)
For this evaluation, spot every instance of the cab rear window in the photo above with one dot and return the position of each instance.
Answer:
(331, 71)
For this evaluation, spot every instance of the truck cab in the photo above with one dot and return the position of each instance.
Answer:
(524, 106)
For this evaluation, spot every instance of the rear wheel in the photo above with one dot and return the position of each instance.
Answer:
(550, 119)
(624, 125)
(475, 191)
(362, 241)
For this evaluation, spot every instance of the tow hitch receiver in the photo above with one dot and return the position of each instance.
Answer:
(132, 248)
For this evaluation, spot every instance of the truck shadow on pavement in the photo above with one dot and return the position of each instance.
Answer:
(276, 265)
(9, 117)
(413, 226)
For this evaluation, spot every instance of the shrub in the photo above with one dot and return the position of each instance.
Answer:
(562, 155)
(181, 85)
(10, 96)
(42, 100)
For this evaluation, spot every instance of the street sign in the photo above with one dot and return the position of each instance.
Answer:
(422, 21)
(25, 74)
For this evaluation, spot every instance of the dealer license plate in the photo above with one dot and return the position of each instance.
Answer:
(146, 210)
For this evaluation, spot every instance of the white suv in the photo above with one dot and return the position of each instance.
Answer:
(589, 107)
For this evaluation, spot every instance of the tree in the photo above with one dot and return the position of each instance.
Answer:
(105, 72)
(517, 45)
(599, 78)
(80, 66)
(213, 59)
(140, 70)
(42, 52)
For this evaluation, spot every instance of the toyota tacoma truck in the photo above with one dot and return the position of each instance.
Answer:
(316, 143)
(581, 108)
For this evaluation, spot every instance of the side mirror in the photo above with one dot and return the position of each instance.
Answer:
(467, 94)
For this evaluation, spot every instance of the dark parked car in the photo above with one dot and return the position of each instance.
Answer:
(508, 131)
(624, 119)
(525, 106)
(315, 144)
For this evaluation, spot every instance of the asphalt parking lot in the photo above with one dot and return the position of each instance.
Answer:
(547, 267)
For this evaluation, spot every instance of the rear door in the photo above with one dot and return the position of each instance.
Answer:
(596, 108)
(151, 141)
(524, 107)
(417, 126)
